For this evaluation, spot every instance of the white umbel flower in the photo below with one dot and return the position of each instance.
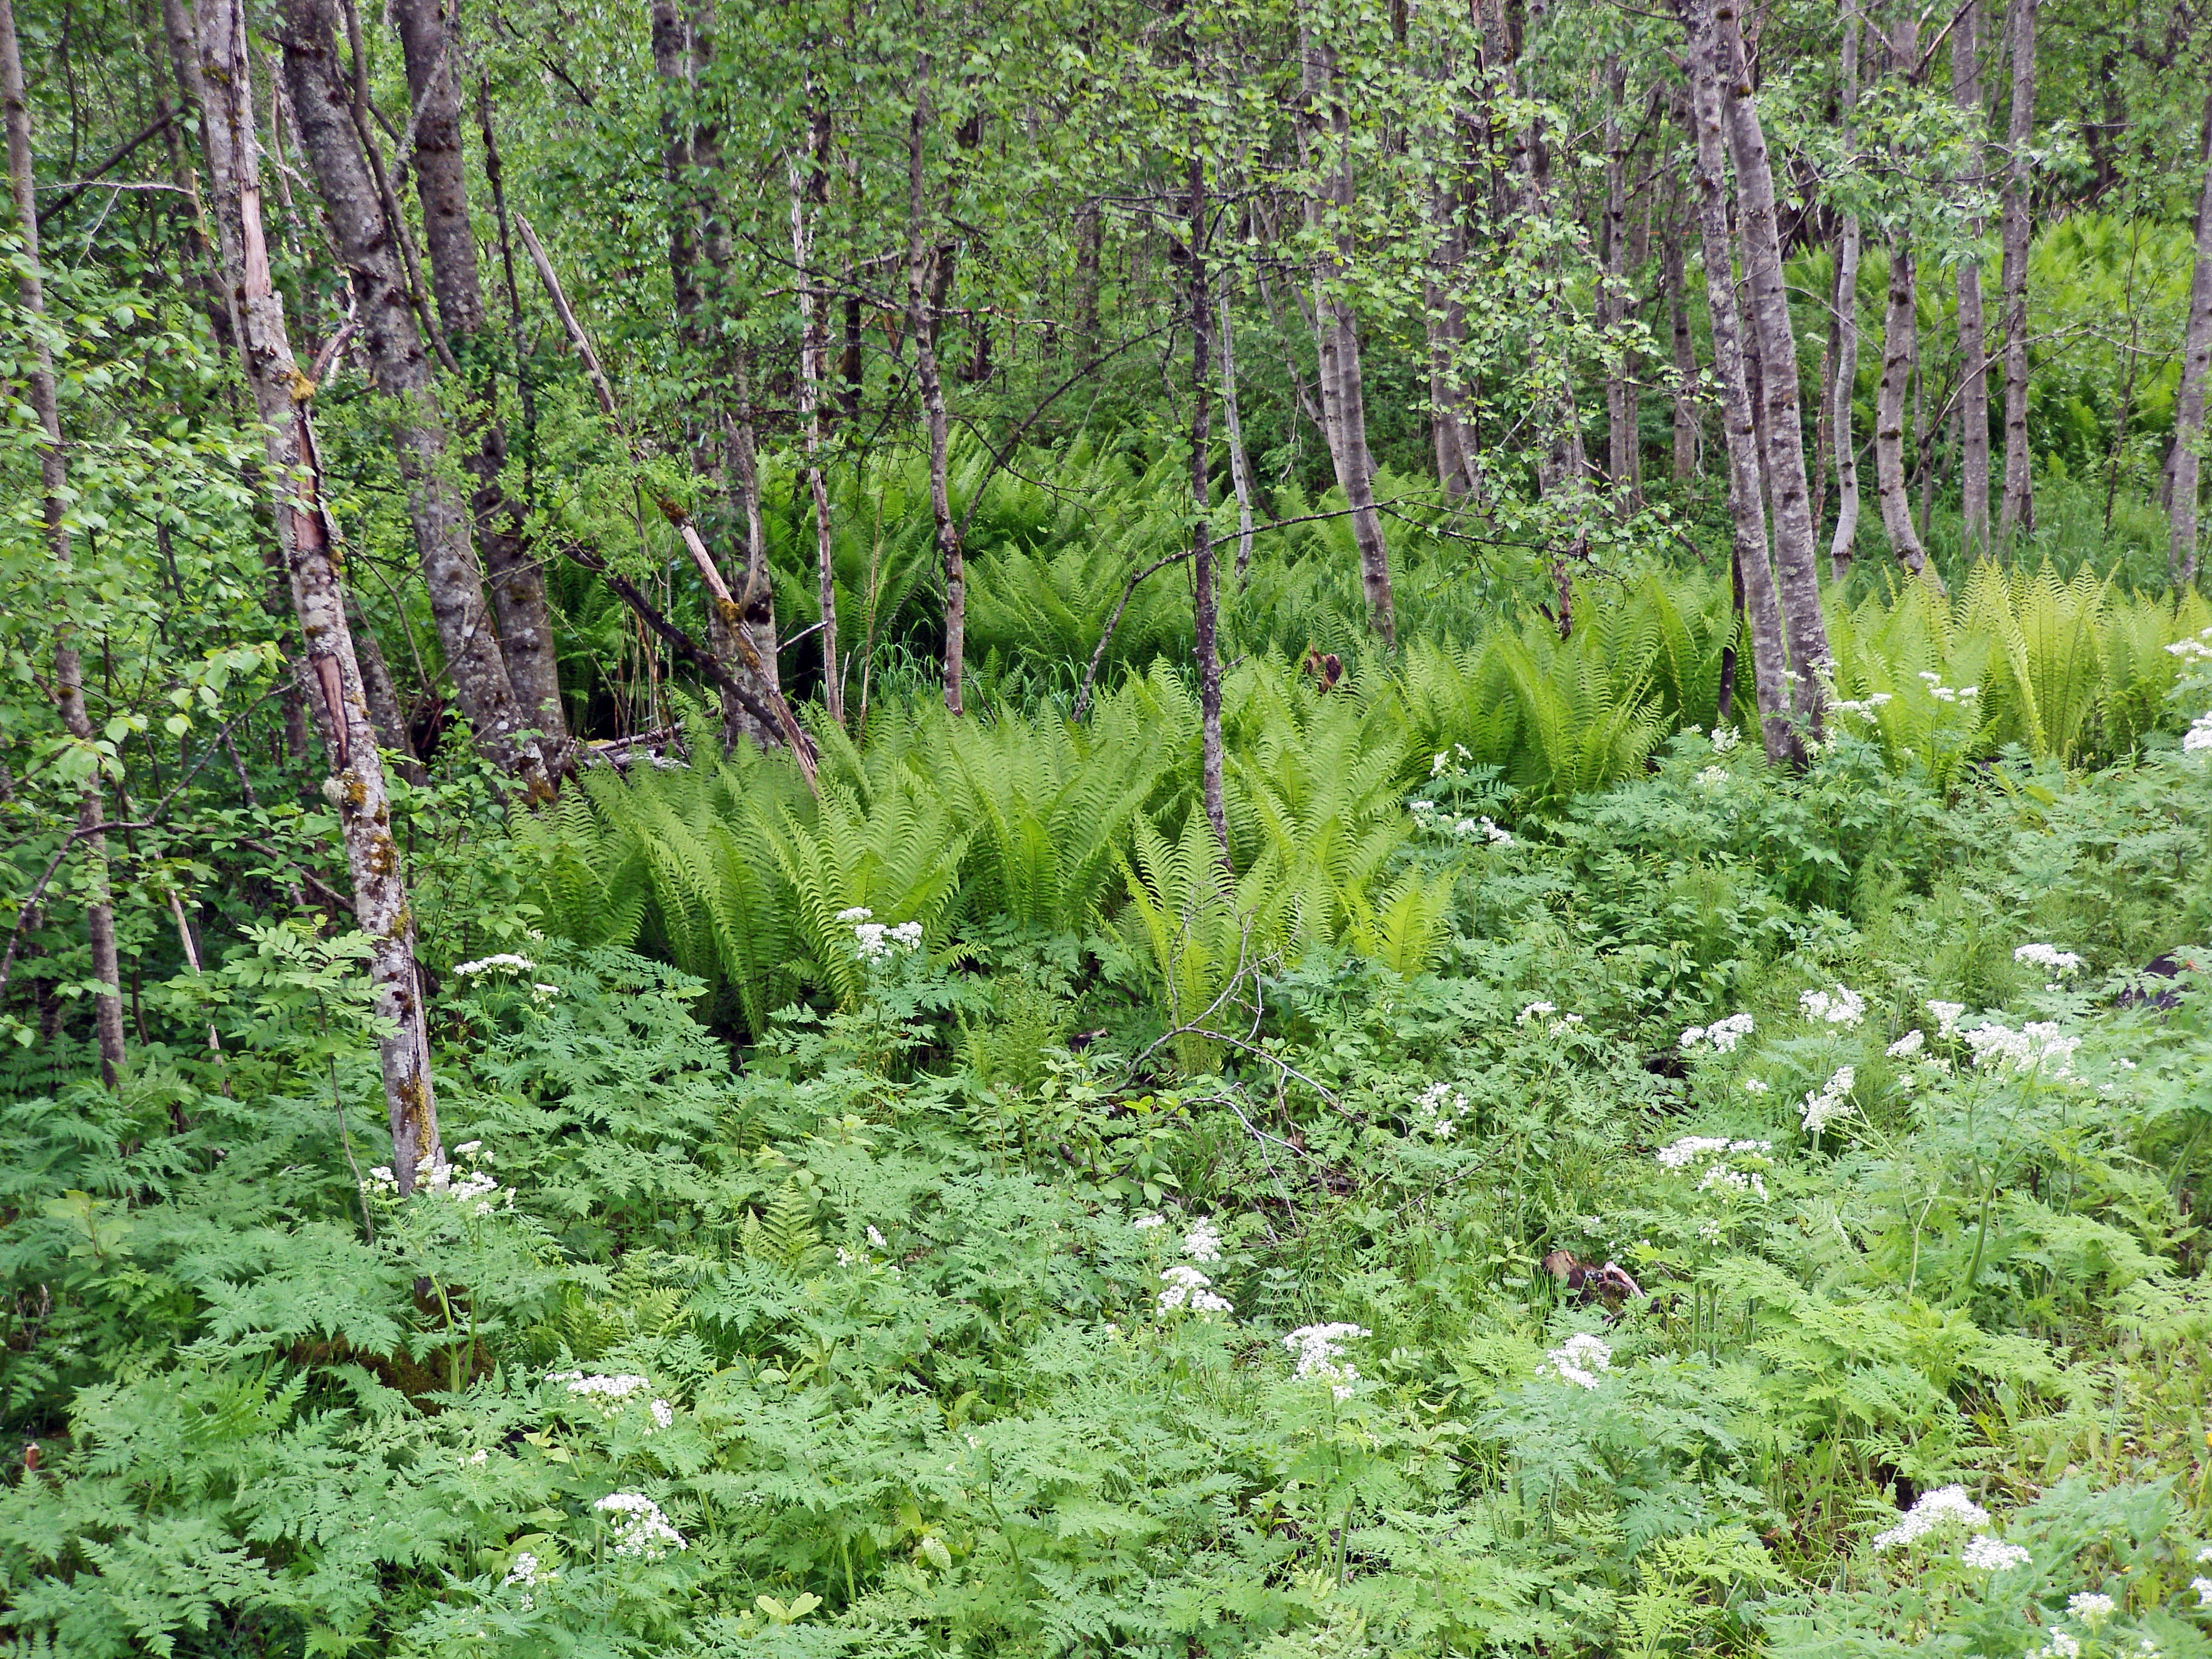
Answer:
(1831, 1103)
(504, 962)
(1907, 1046)
(1992, 1555)
(1722, 1035)
(641, 1531)
(1201, 1242)
(1945, 1508)
(1187, 1287)
(2091, 1607)
(1840, 1006)
(2051, 957)
(1577, 1360)
(1320, 1349)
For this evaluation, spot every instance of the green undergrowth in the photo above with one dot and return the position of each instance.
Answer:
(868, 1330)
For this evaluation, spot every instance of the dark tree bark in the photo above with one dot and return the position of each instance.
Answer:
(356, 787)
(1673, 278)
(401, 371)
(517, 587)
(1753, 575)
(2016, 515)
(1620, 411)
(53, 480)
(1797, 579)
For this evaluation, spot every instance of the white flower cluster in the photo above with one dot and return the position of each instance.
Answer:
(1988, 1554)
(505, 962)
(1723, 1033)
(640, 1529)
(2195, 649)
(2038, 1045)
(608, 1394)
(1444, 762)
(1866, 705)
(528, 1574)
(2091, 1607)
(1559, 1027)
(1202, 1242)
(1908, 1045)
(1320, 1349)
(1681, 1153)
(2197, 739)
(1943, 693)
(1842, 1006)
(475, 1191)
(1578, 1360)
(1426, 814)
(872, 940)
(1438, 1110)
(1944, 1508)
(2062, 1645)
(2051, 957)
(1187, 1287)
(1145, 1224)
(1725, 738)
(1828, 1104)
(1735, 1180)
(1946, 1017)
(1712, 777)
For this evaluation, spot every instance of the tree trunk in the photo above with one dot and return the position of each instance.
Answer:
(1673, 279)
(1206, 607)
(1974, 350)
(355, 788)
(517, 589)
(402, 374)
(2016, 515)
(1797, 577)
(1841, 544)
(1446, 320)
(2189, 400)
(1899, 345)
(1240, 470)
(1344, 409)
(1613, 303)
(922, 315)
(1747, 510)
(53, 479)
(1088, 235)
(810, 184)
(672, 63)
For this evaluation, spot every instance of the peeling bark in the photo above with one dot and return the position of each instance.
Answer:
(2016, 515)
(1754, 575)
(401, 371)
(1973, 350)
(810, 184)
(1900, 346)
(356, 787)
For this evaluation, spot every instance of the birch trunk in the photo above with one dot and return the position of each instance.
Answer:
(1973, 350)
(1613, 303)
(922, 315)
(2189, 400)
(1899, 346)
(1798, 578)
(810, 184)
(357, 788)
(1674, 278)
(1240, 470)
(1844, 390)
(1446, 320)
(525, 622)
(401, 371)
(1205, 601)
(1746, 502)
(1343, 400)
(54, 482)
(2016, 515)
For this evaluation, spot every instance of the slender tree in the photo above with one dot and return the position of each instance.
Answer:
(1782, 436)
(1899, 353)
(1754, 574)
(53, 479)
(355, 788)
(1973, 348)
(1205, 645)
(2016, 515)
(400, 367)
(1843, 543)
(925, 258)
(810, 184)
(2189, 399)
(1326, 125)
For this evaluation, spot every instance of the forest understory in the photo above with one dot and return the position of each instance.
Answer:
(1281, 832)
